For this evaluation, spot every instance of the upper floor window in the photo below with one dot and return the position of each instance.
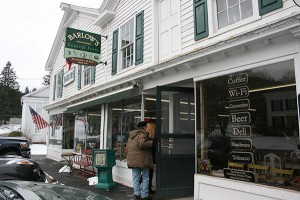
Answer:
(86, 75)
(59, 84)
(232, 11)
(127, 41)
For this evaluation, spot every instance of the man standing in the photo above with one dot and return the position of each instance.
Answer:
(139, 159)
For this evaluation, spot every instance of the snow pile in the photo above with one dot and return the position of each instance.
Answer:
(38, 149)
(93, 180)
(65, 169)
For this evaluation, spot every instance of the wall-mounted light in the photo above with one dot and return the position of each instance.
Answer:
(137, 85)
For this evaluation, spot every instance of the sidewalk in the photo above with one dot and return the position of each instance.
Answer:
(52, 167)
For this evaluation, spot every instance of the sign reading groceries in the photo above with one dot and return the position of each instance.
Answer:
(82, 47)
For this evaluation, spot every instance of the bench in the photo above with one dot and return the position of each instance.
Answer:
(85, 163)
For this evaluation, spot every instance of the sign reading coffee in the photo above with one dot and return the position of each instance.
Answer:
(82, 47)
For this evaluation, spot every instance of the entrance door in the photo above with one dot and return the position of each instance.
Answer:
(175, 120)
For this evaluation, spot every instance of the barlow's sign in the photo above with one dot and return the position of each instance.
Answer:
(82, 47)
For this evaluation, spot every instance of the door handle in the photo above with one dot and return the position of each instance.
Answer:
(158, 146)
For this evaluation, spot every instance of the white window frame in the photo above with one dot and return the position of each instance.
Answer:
(131, 44)
(213, 19)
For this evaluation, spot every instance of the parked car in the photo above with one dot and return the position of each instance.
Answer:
(19, 168)
(14, 146)
(27, 190)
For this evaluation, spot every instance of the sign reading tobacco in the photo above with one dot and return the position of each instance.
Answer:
(82, 47)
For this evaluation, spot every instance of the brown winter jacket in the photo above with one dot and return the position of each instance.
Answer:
(139, 149)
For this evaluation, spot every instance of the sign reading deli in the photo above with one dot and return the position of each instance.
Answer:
(82, 47)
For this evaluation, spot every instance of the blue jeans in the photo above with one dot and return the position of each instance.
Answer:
(141, 190)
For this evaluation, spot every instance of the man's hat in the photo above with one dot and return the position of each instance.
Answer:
(141, 124)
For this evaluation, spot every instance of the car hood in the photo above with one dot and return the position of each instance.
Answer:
(9, 159)
(43, 191)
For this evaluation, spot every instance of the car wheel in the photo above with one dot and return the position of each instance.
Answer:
(11, 153)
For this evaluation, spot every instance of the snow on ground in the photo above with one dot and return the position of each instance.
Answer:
(4, 129)
(38, 149)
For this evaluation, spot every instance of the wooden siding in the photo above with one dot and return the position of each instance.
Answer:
(187, 22)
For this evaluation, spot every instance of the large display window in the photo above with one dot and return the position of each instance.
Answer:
(87, 129)
(248, 126)
(56, 130)
(122, 118)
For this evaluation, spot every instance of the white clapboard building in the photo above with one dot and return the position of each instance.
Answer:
(36, 100)
(219, 78)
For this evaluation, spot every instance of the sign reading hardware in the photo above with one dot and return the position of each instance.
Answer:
(241, 144)
(239, 175)
(82, 47)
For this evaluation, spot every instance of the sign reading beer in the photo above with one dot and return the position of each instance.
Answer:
(239, 175)
(82, 47)
(240, 118)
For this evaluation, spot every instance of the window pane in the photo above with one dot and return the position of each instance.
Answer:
(222, 19)
(234, 14)
(80, 132)
(123, 117)
(246, 126)
(246, 9)
(232, 2)
(127, 44)
(221, 5)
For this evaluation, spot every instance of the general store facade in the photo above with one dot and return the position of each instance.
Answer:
(221, 90)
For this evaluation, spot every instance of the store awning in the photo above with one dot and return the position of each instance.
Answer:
(107, 98)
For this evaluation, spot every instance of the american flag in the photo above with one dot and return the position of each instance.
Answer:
(37, 119)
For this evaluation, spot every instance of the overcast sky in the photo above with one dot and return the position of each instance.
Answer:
(28, 30)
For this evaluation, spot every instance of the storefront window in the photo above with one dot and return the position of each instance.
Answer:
(247, 126)
(123, 117)
(87, 129)
(56, 130)
(93, 135)
(81, 127)
(68, 131)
